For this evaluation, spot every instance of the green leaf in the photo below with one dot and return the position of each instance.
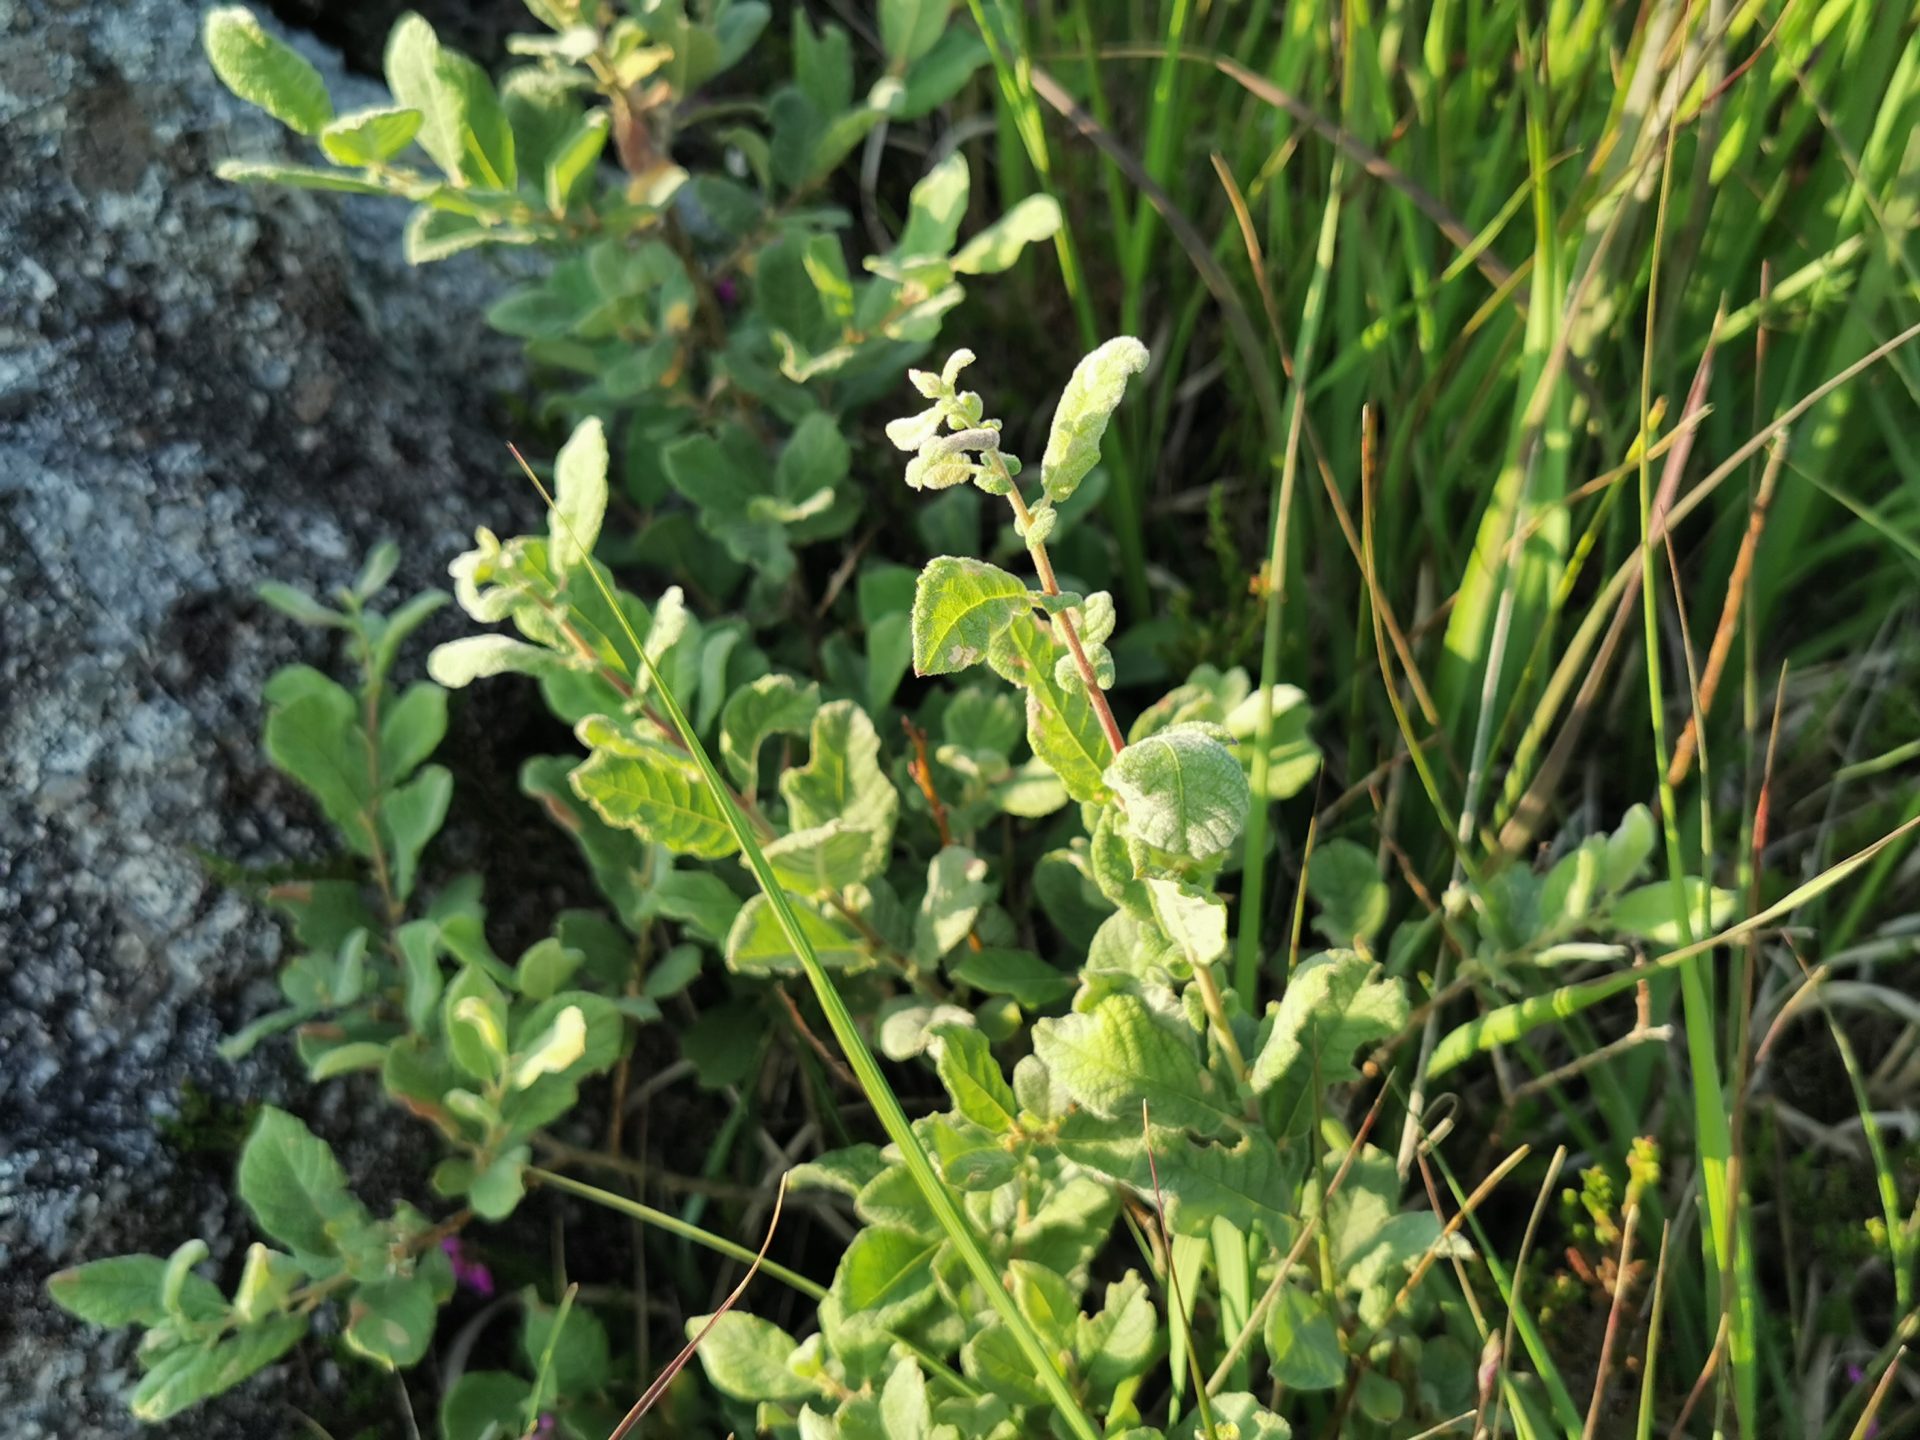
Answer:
(419, 944)
(1122, 1053)
(317, 740)
(758, 945)
(1628, 848)
(574, 158)
(657, 793)
(1333, 1006)
(936, 77)
(842, 780)
(296, 604)
(1080, 421)
(370, 137)
(972, 1078)
(746, 1357)
(1238, 1413)
(463, 126)
(401, 624)
(812, 462)
(822, 64)
(434, 234)
(1345, 883)
(347, 1058)
(581, 1354)
(846, 1171)
(602, 1033)
(826, 858)
(1019, 973)
(554, 1050)
(486, 134)
(909, 28)
(543, 106)
(995, 248)
(264, 71)
(994, 1359)
(412, 815)
(935, 208)
(458, 663)
(411, 730)
(377, 569)
(266, 1282)
(298, 177)
(579, 496)
(1246, 1183)
(1182, 790)
(697, 899)
(1121, 1341)
(886, 1275)
(191, 1373)
(295, 1189)
(1653, 912)
(484, 1405)
(1063, 728)
(1303, 1342)
(474, 1020)
(546, 966)
(770, 705)
(905, 1411)
(1195, 920)
(956, 889)
(121, 1290)
(1293, 760)
(1045, 1298)
(959, 606)
(1380, 1400)
(497, 1190)
(411, 63)
(391, 1321)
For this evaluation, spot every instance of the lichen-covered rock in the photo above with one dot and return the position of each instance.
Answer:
(201, 387)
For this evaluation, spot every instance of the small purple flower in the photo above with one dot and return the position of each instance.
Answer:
(1858, 1376)
(725, 291)
(467, 1272)
(545, 1427)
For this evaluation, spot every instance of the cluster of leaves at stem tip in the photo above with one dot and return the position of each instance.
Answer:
(707, 318)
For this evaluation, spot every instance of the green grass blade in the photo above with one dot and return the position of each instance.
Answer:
(1510, 1022)
(1246, 966)
(674, 1225)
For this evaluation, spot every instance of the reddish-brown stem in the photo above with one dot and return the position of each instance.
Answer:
(1043, 566)
(921, 771)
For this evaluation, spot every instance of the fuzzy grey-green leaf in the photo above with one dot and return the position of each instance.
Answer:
(579, 495)
(1334, 1005)
(1080, 421)
(996, 248)
(1123, 1053)
(1183, 791)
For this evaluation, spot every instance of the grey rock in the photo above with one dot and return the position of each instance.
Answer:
(201, 387)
